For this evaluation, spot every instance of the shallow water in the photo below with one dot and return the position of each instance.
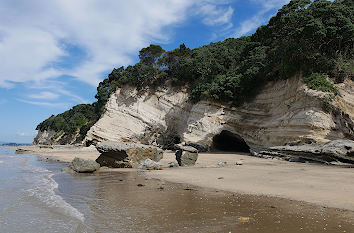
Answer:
(36, 197)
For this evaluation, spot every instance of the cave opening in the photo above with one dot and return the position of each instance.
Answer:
(231, 142)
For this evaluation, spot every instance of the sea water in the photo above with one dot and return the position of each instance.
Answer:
(28, 202)
(35, 196)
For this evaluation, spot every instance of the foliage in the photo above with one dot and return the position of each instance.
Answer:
(71, 121)
(151, 54)
(327, 106)
(320, 82)
(312, 38)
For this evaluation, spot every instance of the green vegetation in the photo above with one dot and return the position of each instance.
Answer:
(312, 38)
(321, 82)
(327, 105)
(58, 134)
(79, 119)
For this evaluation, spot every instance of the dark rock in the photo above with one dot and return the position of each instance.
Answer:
(198, 146)
(108, 161)
(333, 151)
(122, 154)
(21, 151)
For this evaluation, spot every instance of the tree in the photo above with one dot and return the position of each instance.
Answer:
(150, 55)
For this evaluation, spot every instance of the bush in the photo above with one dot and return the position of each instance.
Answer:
(320, 82)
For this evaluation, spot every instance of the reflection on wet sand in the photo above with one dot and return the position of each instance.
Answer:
(127, 202)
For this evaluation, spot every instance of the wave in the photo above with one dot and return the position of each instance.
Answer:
(44, 190)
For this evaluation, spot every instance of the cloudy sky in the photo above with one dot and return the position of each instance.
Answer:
(54, 53)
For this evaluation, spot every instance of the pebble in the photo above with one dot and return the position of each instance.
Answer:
(222, 164)
(238, 163)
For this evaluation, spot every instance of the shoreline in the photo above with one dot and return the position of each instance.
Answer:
(321, 185)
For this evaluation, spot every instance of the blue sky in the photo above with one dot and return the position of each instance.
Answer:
(54, 53)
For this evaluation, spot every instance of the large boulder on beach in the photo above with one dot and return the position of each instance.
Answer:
(123, 154)
(200, 147)
(83, 165)
(186, 155)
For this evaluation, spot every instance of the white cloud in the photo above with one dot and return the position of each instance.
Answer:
(261, 17)
(46, 95)
(46, 104)
(35, 33)
(216, 15)
(75, 98)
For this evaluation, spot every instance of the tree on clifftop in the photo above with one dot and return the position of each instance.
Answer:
(151, 54)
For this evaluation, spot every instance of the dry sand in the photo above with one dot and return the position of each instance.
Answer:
(317, 184)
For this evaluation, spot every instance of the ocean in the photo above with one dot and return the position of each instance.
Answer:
(35, 196)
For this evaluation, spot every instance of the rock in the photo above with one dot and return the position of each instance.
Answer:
(186, 148)
(341, 149)
(222, 164)
(21, 151)
(83, 165)
(198, 146)
(108, 161)
(112, 146)
(173, 164)
(123, 154)
(239, 163)
(186, 155)
(149, 164)
(333, 151)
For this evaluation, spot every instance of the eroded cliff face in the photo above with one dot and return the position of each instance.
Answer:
(51, 137)
(284, 111)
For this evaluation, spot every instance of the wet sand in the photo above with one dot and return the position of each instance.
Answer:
(322, 185)
(129, 202)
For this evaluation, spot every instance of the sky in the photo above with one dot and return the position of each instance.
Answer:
(54, 53)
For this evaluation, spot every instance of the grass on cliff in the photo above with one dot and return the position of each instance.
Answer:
(315, 38)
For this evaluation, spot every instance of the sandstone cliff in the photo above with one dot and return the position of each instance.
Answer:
(284, 111)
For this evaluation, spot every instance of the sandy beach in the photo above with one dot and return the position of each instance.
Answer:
(327, 186)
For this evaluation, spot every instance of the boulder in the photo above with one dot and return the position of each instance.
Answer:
(149, 164)
(198, 146)
(123, 154)
(186, 155)
(83, 165)
(186, 148)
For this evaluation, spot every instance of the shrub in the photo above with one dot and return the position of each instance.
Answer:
(320, 82)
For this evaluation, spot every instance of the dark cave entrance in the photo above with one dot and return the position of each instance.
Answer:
(227, 141)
